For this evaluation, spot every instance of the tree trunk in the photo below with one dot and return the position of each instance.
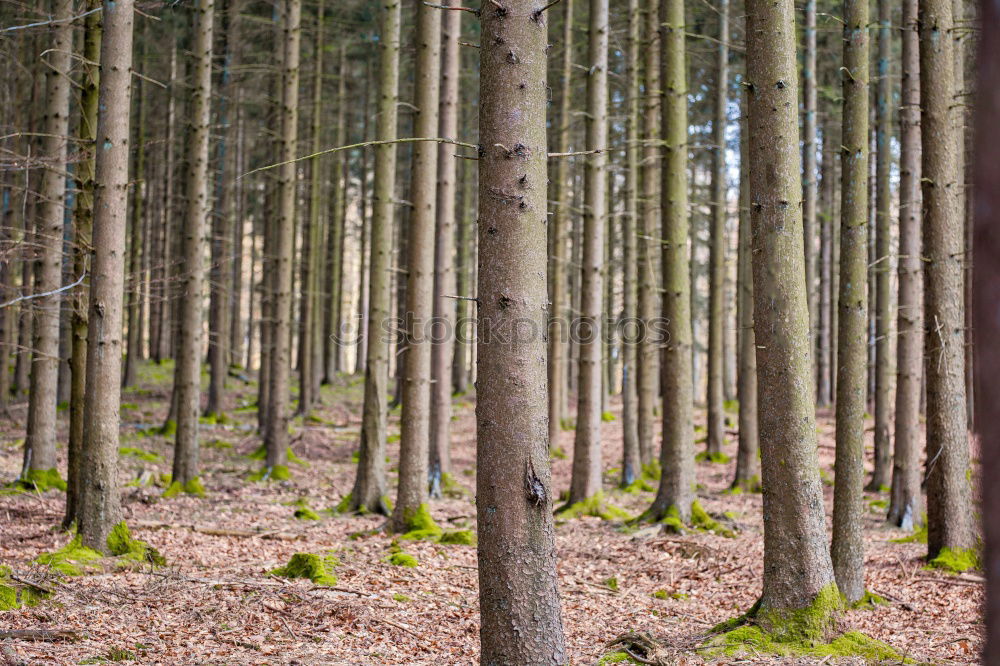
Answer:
(716, 430)
(797, 567)
(559, 323)
(40, 444)
(133, 290)
(949, 508)
(809, 172)
(100, 504)
(518, 594)
(161, 350)
(824, 393)
(369, 483)
(677, 451)
(276, 428)
(414, 421)
(235, 345)
(364, 233)
(187, 378)
(648, 364)
(631, 458)
(586, 481)
(464, 258)
(83, 221)
(335, 243)
(906, 506)
(848, 504)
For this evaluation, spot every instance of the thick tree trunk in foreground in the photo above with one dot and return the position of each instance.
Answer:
(586, 480)
(100, 504)
(648, 363)
(369, 483)
(40, 444)
(797, 566)
(907, 502)
(276, 429)
(520, 619)
(187, 378)
(677, 452)
(852, 333)
(442, 348)
(716, 430)
(949, 507)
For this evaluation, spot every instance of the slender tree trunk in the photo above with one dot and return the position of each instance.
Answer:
(586, 481)
(648, 363)
(949, 509)
(629, 332)
(335, 245)
(369, 483)
(99, 501)
(442, 348)
(162, 350)
(559, 324)
(906, 506)
(235, 346)
(824, 394)
(364, 233)
(133, 352)
(848, 505)
(415, 417)
(463, 260)
(809, 173)
(276, 429)
(187, 377)
(40, 444)
(716, 431)
(677, 451)
(797, 566)
(518, 595)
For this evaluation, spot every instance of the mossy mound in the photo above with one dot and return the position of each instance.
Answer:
(168, 429)
(121, 544)
(402, 559)
(567, 425)
(402, 598)
(751, 485)
(955, 561)
(637, 486)
(919, 535)
(215, 418)
(15, 594)
(260, 453)
(458, 537)
(276, 473)
(717, 457)
(193, 487)
(597, 506)
(607, 417)
(752, 640)
(73, 559)
(305, 513)
(218, 444)
(420, 525)
(40, 480)
(139, 454)
(870, 600)
(317, 568)
(652, 471)
(702, 521)
(617, 657)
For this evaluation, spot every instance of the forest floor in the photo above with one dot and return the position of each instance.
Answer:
(215, 602)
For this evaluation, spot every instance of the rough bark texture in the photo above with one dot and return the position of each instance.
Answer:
(335, 238)
(949, 508)
(882, 265)
(586, 480)
(677, 452)
(824, 392)
(518, 594)
(100, 504)
(187, 378)
(648, 369)
(716, 430)
(848, 505)
(809, 173)
(559, 324)
(276, 428)
(40, 444)
(797, 566)
(464, 260)
(987, 278)
(442, 349)
(906, 508)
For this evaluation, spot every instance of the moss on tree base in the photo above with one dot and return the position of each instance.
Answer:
(73, 559)
(419, 525)
(260, 453)
(597, 506)
(955, 561)
(121, 544)
(716, 457)
(672, 522)
(317, 568)
(193, 487)
(276, 473)
(40, 480)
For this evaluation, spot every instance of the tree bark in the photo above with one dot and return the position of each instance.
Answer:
(824, 391)
(133, 344)
(335, 242)
(369, 483)
(40, 443)
(518, 593)
(586, 481)
(797, 566)
(100, 504)
(949, 508)
(906, 505)
(809, 173)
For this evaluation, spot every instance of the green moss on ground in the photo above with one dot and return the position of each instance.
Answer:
(40, 480)
(14, 594)
(702, 521)
(955, 561)
(652, 471)
(557, 452)
(458, 538)
(193, 487)
(639, 485)
(402, 598)
(618, 657)
(344, 505)
(751, 485)
(567, 425)
(611, 583)
(317, 568)
(717, 457)
(218, 444)
(73, 559)
(260, 453)
(168, 429)
(919, 535)
(402, 559)
(420, 525)
(752, 640)
(452, 488)
(276, 473)
(869, 600)
(596, 505)
(731, 406)
(121, 544)
(305, 513)
(133, 452)
(607, 417)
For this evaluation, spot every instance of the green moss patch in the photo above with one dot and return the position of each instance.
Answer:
(260, 453)
(558, 453)
(717, 457)
(752, 640)
(652, 471)
(402, 559)
(567, 425)
(193, 487)
(452, 488)
(218, 444)
(919, 535)
(73, 559)
(870, 600)
(702, 521)
(955, 561)
(420, 525)
(15, 594)
(276, 473)
(617, 657)
(121, 544)
(597, 506)
(458, 537)
(133, 452)
(168, 429)
(40, 480)
(607, 417)
(317, 568)
(637, 486)
(402, 598)
(305, 513)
